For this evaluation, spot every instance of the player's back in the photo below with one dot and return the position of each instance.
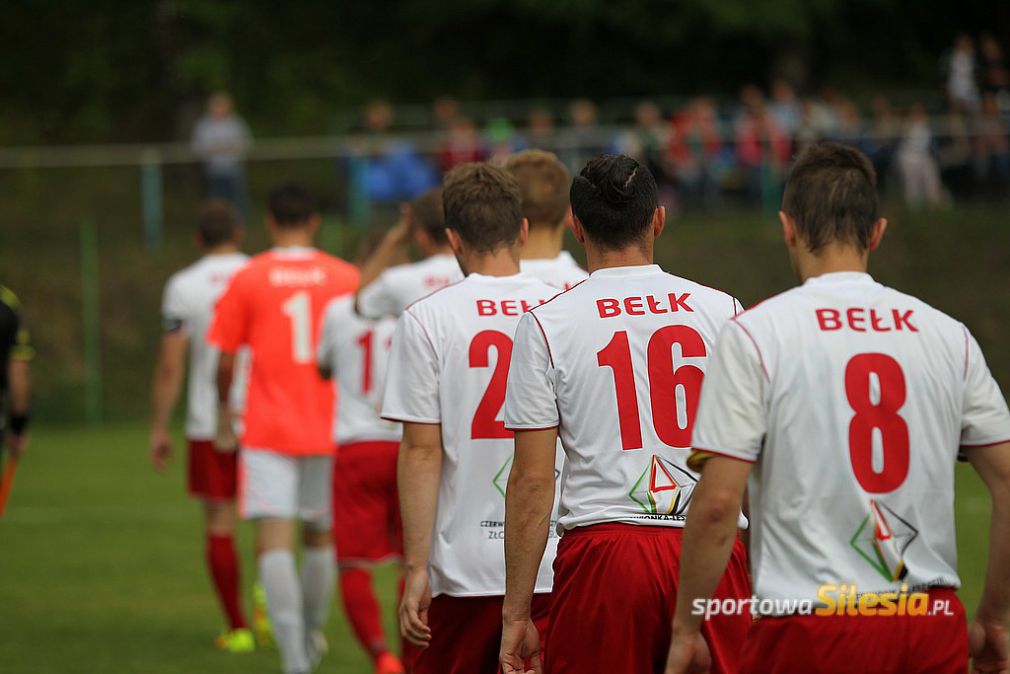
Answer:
(464, 333)
(357, 350)
(870, 393)
(562, 271)
(275, 305)
(627, 351)
(400, 286)
(188, 304)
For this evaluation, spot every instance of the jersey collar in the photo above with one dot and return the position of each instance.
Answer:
(837, 277)
(624, 272)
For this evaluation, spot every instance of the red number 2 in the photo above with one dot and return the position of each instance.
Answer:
(486, 425)
(663, 383)
(881, 415)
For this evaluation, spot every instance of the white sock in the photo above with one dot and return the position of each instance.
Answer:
(284, 604)
(318, 576)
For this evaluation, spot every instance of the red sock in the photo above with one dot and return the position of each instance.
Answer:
(224, 571)
(362, 609)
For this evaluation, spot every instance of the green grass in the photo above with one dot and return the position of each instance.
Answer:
(101, 568)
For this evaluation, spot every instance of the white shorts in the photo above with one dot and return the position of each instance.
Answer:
(275, 485)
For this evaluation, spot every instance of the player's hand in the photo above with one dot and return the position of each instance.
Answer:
(161, 449)
(989, 648)
(688, 654)
(17, 443)
(520, 644)
(414, 608)
(225, 439)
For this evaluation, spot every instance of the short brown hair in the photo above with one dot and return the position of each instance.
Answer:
(544, 182)
(430, 216)
(483, 205)
(831, 194)
(217, 223)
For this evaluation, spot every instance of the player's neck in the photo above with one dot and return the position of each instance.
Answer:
(437, 250)
(223, 249)
(831, 260)
(543, 243)
(604, 258)
(502, 262)
(292, 238)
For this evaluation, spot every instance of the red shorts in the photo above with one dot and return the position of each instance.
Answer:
(466, 634)
(615, 591)
(212, 475)
(366, 507)
(933, 644)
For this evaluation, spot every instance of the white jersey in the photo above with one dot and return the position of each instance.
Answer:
(400, 286)
(449, 366)
(562, 271)
(853, 400)
(616, 364)
(356, 350)
(188, 305)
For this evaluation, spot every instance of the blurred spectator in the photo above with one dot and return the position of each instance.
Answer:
(850, 124)
(502, 140)
(697, 151)
(785, 107)
(962, 91)
(389, 170)
(444, 112)
(919, 171)
(221, 140)
(540, 130)
(995, 76)
(762, 148)
(649, 142)
(992, 148)
(881, 140)
(462, 144)
(584, 140)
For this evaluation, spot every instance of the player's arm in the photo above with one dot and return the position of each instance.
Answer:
(225, 438)
(419, 470)
(390, 250)
(19, 380)
(165, 387)
(326, 350)
(229, 332)
(988, 631)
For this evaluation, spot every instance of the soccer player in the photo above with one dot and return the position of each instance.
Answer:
(386, 290)
(366, 509)
(446, 383)
(849, 402)
(544, 183)
(16, 354)
(187, 310)
(614, 367)
(275, 306)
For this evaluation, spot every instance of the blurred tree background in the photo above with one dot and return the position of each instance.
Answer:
(82, 71)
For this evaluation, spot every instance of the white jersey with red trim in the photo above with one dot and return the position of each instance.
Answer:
(356, 351)
(398, 287)
(449, 366)
(561, 271)
(853, 399)
(188, 305)
(617, 363)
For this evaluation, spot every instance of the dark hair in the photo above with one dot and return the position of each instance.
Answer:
(482, 204)
(430, 216)
(544, 182)
(217, 223)
(291, 206)
(614, 197)
(831, 194)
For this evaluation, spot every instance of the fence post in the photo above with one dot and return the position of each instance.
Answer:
(150, 195)
(91, 323)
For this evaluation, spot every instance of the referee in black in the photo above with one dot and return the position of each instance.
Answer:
(16, 353)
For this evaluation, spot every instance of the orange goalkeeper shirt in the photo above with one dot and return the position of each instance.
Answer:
(275, 306)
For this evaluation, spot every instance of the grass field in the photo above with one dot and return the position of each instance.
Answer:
(101, 566)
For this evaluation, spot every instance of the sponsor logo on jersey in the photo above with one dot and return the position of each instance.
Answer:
(881, 540)
(663, 488)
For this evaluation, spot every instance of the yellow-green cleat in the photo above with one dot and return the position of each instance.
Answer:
(261, 619)
(236, 641)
